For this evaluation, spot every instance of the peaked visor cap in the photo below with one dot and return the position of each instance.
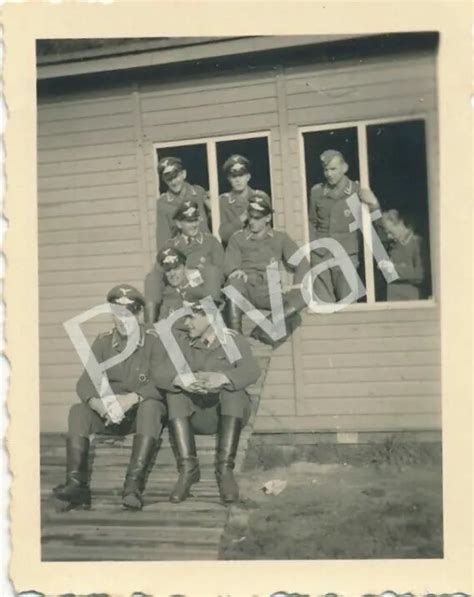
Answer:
(170, 258)
(127, 296)
(188, 211)
(168, 167)
(236, 165)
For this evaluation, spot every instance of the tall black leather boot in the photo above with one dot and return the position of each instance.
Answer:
(290, 314)
(233, 316)
(227, 444)
(76, 490)
(151, 312)
(142, 452)
(188, 464)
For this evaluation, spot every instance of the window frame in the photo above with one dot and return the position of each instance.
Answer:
(361, 129)
(211, 152)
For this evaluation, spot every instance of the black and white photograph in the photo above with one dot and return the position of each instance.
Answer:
(239, 305)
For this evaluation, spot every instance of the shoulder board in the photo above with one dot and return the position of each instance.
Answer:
(194, 189)
(105, 334)
(152, 332)
(225, 196)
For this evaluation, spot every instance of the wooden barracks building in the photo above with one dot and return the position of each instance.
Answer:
(107, 112)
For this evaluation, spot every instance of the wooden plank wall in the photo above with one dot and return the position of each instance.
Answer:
(366, 370)
(89, 227)
(97, 193)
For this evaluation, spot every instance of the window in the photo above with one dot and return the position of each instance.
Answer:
(389, 156)
(204, 158)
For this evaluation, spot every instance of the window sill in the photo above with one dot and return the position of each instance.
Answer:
(383, 306)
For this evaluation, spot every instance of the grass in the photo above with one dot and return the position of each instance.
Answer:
(388, 509)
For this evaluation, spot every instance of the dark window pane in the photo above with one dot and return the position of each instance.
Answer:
(398, 176)
(194, 159)
(345, 141)
(255, 150)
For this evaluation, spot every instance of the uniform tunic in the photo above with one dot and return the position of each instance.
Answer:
(166, 207)
(134, 374)
(202, 282)
(406, 256)
(209, 355)
(330, 216)
(202, 249)
(232, 205)
(253, 255)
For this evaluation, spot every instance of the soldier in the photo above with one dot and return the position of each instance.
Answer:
(181, 283)
(142, 403)
(234, 205)
(200, 249)
(406, 258)
(247, 256)
(330, 217)
(217, 401)
(179, 190)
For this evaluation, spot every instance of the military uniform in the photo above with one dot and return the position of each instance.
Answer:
(166, 207)
(209, 355)
(221, 406)
(200, 250)
(253, 255)
(406, 257)
(132, 376)
(330, 217)
(232, 205)
(199, 282)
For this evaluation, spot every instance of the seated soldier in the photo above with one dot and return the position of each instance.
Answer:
(201, 250)
(215, 402)
(405, 252)
(233, 205)
(180, 283)
(174, 175)
(247, 256)
(141, 405)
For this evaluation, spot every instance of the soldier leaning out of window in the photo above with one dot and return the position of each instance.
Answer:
(178, 283)
(233, 205)
(142, 405)
(201, 250)
(173, 173)
(330, 217)
(216, 401)
(406, 258)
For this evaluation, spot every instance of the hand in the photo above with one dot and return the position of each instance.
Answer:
(367, 197)
(244, 217)
(126, 401)
(186, 383)
(238, 274)
(386, 265)
(214, 380)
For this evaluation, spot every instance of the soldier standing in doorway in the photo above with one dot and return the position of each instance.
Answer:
(234, 205)
(173, 173)
(330, 217)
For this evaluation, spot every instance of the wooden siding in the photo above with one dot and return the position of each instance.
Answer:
(89, 228)
(353, 371)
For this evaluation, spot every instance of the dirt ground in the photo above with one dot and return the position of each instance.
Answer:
(338, 511)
